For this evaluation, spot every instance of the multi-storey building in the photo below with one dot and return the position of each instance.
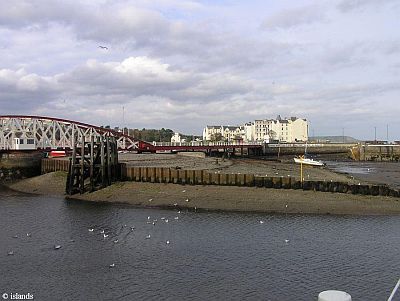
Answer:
(291, 129)
(223, 133)
(286, 130)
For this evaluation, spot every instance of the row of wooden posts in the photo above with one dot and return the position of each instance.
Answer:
(204, 177)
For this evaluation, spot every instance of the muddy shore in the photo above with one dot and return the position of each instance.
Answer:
(219, 198)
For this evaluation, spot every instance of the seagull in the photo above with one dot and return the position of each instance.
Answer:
(183, 190)
(167, 242)
(176, 217)
(28, 234)
(175, 204)
(187, 200)
(56, 247)
(286, 205)
(112, 265)
(261, 222)
(154, 223)
(72, 240)
(163, 218)
(116, 241)
(132, 228)
(102, 231)
(179, 212)
(91, 229)
(286, 240)
(166, 220)
(10, 253)
(103, 47)
(105, 236)
(148, 236)
(15, 236)
(148, 217)
(150, 200)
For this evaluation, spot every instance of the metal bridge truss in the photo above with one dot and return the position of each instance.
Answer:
(55, 133)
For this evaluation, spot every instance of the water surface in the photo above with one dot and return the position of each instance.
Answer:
(211, 256)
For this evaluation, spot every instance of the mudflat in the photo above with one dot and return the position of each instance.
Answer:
(225, 198)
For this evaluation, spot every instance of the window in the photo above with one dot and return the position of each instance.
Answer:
(30, 141)
(21, 141)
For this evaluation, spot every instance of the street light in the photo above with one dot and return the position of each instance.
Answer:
(343, 134)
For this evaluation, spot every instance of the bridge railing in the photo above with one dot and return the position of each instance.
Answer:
(207, 143)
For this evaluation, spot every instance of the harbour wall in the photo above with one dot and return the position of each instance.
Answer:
(16, 165)
(312, 149)
(367, 152)
(204, 177)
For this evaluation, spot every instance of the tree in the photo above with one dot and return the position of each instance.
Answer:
(216, 137)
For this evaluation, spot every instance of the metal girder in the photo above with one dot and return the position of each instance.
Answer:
(55, 133)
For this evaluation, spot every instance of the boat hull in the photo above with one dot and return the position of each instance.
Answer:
(308, 162)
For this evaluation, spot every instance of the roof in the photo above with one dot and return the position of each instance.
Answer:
(231, 128)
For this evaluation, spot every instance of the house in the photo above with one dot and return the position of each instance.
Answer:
(176, 138)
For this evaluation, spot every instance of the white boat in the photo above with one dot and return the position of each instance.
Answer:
(308, 161)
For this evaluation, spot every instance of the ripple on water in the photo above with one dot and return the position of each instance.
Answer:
(210, 255)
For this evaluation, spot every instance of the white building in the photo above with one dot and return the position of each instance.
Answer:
(223, 133)
(176, 138)
(212, 132)
(249, 131)
(291, 129)
(233, 133)
(24, 144)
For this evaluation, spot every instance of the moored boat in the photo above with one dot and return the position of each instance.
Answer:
(308, 161)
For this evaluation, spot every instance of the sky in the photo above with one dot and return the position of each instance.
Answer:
(187, 64)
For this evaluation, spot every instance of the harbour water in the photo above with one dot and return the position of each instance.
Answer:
(210, 256)
(374, 172)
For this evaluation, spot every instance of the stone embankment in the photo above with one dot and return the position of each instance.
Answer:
(15, 165)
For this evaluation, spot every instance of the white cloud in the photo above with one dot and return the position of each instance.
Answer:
(350, 5)
(293, 17)
(184, 64)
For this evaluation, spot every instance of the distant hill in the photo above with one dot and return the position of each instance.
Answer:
(333, 139)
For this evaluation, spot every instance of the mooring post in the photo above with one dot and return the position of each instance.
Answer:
(72, 170)
(82, 167)
(102, 162)
(108, 161)
(92, 163)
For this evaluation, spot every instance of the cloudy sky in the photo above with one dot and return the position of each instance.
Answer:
(186, 64)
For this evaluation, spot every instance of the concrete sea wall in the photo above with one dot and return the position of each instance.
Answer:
(204, 177)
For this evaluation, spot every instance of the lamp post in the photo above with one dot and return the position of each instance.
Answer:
(343, 134)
